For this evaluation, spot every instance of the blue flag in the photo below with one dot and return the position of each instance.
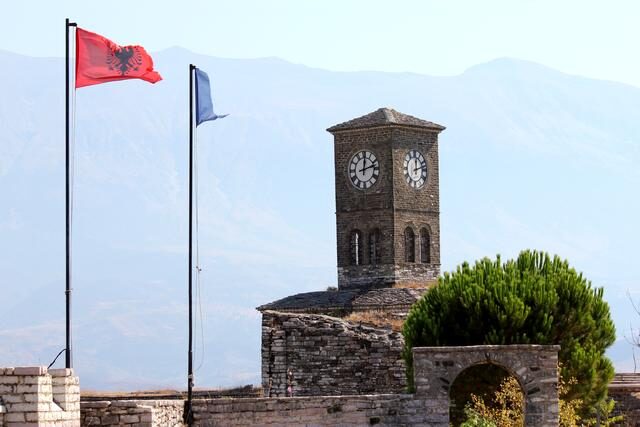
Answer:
(204, 104)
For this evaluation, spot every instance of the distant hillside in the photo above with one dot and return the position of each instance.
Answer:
(531, 158)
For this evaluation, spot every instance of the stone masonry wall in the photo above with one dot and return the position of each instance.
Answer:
(436, 368)
(625, 390)
(35, 396)
(133, 413)
(414, 273)
(627, 405)
(382, 410)
(320, 355)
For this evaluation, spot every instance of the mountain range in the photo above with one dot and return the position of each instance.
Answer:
(531, 158)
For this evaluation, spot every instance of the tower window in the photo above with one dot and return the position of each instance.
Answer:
(356, 247)
(409, 245)
(374, 246)
(425, 246)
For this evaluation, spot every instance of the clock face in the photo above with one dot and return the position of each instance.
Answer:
(415, 169)
(364, 169)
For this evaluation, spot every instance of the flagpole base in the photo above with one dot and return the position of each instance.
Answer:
(187, 416)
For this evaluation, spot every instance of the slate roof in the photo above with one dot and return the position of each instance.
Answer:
(625, 382)
(388, 297)
(350, 299)
(385, 117)
(312, 300)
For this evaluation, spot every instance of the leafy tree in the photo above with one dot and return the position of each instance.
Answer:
(534, 299)
(505, 408)
(568, 408)
(474, 419)
(482, 381)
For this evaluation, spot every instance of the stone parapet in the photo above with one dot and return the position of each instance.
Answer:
(133, 413)
(381, 410)
(34, 396)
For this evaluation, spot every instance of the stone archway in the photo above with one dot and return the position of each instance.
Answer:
(534, 366)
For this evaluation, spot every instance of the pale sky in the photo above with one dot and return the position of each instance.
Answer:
(439, 37)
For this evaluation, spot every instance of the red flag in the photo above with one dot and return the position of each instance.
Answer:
(99, 60)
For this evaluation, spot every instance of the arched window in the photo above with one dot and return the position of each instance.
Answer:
(409, 245)
(356, 247)
(374, 246)
(425, 246)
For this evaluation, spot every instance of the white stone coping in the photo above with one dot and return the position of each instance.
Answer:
(24, 370)
(35, 371)
(62, 372)
(499, 348)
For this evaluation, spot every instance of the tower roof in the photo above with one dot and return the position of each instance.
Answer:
(385, 117)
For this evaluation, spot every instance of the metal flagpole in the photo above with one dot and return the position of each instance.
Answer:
(189, 412)
(68, 352)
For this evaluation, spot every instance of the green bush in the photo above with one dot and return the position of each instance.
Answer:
(476, 420)
(534, 299)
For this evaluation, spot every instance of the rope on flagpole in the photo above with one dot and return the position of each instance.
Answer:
(197, 250)
(56, 358)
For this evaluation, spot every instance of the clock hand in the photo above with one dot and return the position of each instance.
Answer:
(372, 165)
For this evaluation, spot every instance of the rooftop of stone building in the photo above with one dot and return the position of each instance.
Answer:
(385, 117)
(625, 382)
(347, 300)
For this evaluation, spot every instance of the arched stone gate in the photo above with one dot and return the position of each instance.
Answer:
(534, 366)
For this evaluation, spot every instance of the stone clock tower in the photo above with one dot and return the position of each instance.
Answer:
(387, 200)
(388, 242)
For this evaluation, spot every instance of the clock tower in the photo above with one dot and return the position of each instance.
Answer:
(387, 200)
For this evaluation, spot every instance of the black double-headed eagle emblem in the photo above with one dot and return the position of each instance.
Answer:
(124, 59)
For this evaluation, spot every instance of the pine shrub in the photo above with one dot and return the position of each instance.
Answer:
(534, 299)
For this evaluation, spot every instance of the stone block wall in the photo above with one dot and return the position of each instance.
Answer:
(627, 405)
(435, 369)
(416, 273)
(133, 413)
(319, 355)
(385, 275)
(625, 390)
(35, 396)
(382, 410)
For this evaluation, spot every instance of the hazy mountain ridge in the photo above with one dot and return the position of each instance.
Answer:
(531, 158)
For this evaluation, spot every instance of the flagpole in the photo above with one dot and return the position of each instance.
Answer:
(189, 412)
(68, 348)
